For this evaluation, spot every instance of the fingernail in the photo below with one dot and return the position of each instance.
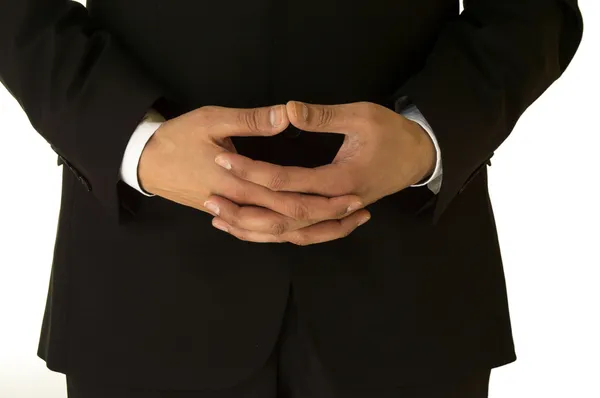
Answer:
(223, 162)
(301, 110)
(220, 225)
(276, 116)
(354, 206)
(364, 220)
(212, 207)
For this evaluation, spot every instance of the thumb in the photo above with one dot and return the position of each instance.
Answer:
(340, 118)
(265, 121)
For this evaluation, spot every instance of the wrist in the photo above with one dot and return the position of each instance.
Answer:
(137, 142)
(147, 164)
(426, 154)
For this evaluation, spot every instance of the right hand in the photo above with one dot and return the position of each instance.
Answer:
(178, 163)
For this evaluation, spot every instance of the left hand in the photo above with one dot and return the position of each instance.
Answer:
(383, 153)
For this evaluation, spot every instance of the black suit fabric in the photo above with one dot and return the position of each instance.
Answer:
(293, 370)
(146, 291)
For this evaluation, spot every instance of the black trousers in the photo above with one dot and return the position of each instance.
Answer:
(292, 371)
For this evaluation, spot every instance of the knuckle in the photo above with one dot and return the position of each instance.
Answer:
(369, 111)
(206, 112)
(325, 116)
(278, 180)
(368, 107)
(250, 119)
(300, 212)
(278, 228)
(208, 109)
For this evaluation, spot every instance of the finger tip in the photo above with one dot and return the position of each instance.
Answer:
(297, 112)
(290, 108)
(220, 224)
(364, 220)
(354, 206)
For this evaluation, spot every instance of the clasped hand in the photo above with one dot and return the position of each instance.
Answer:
(191, 160)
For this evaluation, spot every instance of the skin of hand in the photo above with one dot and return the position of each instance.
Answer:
(178, 164)
(383, 153)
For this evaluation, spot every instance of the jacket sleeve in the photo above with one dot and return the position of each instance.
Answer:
(485, 68)
(79, 88)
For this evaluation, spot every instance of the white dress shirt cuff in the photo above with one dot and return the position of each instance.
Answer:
(435, 180)
(137, 142)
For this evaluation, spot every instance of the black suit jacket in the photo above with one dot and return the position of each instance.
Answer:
(147, 291)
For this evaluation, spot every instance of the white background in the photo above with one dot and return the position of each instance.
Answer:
(545, 192)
